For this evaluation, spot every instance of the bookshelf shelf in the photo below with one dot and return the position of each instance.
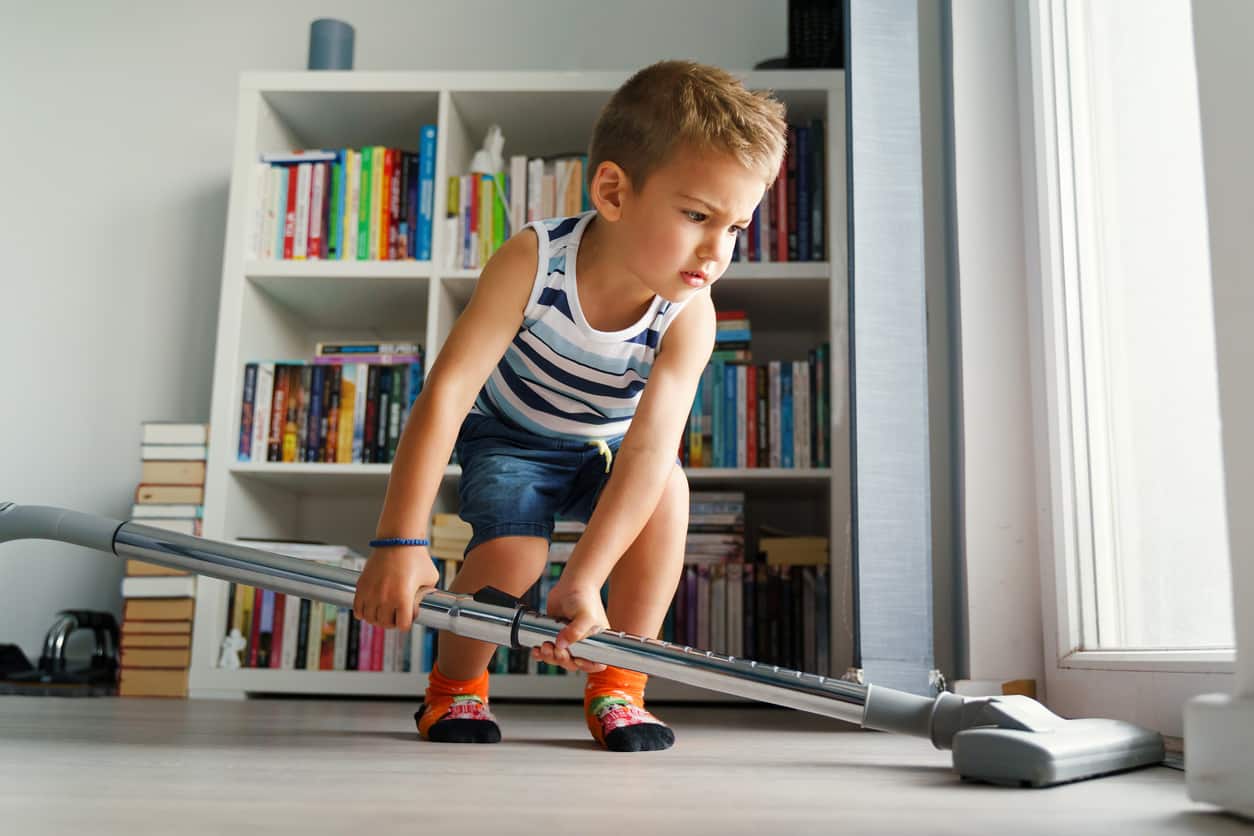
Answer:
(318, 269)
(326, 300)
(324, 479)
(279, 310)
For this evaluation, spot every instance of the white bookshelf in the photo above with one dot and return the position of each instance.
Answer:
(280, 309)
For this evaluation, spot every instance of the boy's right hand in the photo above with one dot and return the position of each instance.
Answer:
(388, 586)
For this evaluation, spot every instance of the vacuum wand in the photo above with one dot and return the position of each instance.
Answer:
(998, 739)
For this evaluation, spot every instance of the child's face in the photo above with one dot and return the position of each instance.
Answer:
(682, 226)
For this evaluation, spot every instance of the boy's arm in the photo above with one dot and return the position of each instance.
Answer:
(475, 345)
(647, 455)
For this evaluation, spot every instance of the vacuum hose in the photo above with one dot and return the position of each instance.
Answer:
(493, 616)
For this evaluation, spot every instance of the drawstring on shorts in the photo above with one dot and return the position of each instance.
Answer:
(604, 450)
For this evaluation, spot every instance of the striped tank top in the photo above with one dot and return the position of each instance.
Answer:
(560, 377)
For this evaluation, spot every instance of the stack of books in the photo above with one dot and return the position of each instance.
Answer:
(485, 209)
(268, 629)
(345, 204)
(747, 415)
(705, 611)
(790, 222)
(798, 601)
(348, 406)
(158, 606)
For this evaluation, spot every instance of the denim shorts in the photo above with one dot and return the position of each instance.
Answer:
(515, 483)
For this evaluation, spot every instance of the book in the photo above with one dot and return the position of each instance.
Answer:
(173, 640)
(192, 527)
(297, 156)
(155, 657)
(169, 510)
(158, 609)
(159, 587)
(166, 472)
(173, 452)
(165, 628)
(172, 432)
(141, 569)
(162, 494)
(152, 682)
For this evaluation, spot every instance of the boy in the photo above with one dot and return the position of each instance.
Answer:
(578, 358)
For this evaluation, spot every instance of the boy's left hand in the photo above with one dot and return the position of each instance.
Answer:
(581, 605)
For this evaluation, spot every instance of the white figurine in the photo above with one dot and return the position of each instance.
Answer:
(232, 644)
(490, 159)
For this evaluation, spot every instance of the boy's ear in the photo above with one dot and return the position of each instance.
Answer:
(609, 190)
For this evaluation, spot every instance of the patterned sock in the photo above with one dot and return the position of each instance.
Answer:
(613, 705)
(456, 710)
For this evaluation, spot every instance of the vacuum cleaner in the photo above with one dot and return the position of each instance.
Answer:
(1007, 740)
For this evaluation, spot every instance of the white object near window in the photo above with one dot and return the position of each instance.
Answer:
(1126, 353)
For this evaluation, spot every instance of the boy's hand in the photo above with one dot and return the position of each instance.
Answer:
(389, 584)
(581, 605)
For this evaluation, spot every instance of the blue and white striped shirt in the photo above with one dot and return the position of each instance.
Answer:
(560, 377)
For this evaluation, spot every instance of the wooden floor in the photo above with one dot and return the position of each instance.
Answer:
(277, 766)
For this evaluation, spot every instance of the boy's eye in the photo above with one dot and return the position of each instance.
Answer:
(736, 230)
(696, 217)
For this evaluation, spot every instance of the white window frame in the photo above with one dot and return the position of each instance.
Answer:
(1063, 237)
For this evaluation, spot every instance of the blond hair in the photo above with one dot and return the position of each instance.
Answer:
(676, 104)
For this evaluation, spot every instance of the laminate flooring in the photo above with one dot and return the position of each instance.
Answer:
(306, 766)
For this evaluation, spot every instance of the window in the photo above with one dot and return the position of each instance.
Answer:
(1127, 345)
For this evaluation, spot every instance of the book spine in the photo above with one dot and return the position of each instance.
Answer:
(803, 194)
(786, 456)
(261, 411)
(332, 433)
(404, 223)
(317, 209)
(302, 635)
(359, 412)
(742, 417)
(818, 206)
(378, 203)
(352, 661)
(300, 240)
(383, 414)
(247, 411)
(777, 436)
(289, 213)
(749, 394)
(790, 166)
(278, 413)
(313, 415)
(352, 204)
(392, 173)
(426, 190)
(371, 415)
(364, 203)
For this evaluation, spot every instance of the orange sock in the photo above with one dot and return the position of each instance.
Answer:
(456, 710)
(613, 704)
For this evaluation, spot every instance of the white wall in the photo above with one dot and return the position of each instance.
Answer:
(1222, 38)
(116, 125)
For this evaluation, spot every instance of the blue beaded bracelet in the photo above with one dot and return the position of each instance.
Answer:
(399, 541)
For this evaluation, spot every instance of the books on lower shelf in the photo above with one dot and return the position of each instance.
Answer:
(268, 629)
(346, 204)
(346, 406)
